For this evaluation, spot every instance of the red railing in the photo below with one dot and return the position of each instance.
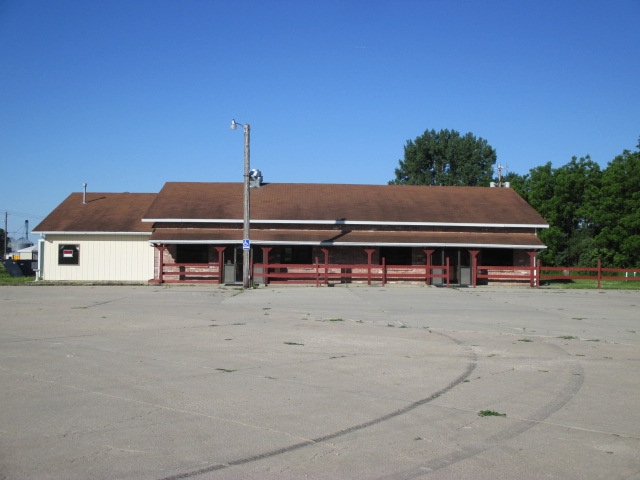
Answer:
(322, 273)
(537, 274)
(190, 273)
(505, 274)
(599, 273)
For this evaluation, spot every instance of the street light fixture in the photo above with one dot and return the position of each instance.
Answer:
(246, 242)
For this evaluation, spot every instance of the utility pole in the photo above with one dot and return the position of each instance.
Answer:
(4, 252)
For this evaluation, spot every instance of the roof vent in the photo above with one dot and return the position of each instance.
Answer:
(84, 195)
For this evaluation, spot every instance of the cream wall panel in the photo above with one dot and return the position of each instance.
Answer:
(104, 258)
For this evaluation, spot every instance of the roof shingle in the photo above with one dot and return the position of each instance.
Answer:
(103, 212)
(344, 203)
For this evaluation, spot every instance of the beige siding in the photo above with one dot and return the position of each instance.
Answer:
(103, 258)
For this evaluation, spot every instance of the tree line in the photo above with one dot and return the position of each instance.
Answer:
(593, 212)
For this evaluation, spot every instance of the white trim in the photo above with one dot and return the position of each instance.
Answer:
(43, 232)
(344, 222)
(354, 244)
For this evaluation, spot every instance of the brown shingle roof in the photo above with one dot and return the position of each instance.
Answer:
(103, 212)
(344, 203)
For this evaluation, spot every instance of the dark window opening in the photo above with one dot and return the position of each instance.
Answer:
(192, 254)
(396, 255)
(69, 255)
(497, 257)
(297, 255)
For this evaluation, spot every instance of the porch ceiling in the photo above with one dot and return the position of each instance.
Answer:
(347, 237)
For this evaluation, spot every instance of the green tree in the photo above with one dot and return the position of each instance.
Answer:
(446, 158)
(562, 196)
(616, 212)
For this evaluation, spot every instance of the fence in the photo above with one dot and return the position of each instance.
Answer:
(326, 274)
(323, 273)
(190, 273)
(536, 274)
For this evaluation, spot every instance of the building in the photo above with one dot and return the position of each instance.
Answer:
(97, 237)
(192, 231)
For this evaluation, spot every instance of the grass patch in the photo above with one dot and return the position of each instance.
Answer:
(336, 320)
(527, 340)
(621, 284)
(293, 343)
(567, 337)
(6, 279)
(490, 413)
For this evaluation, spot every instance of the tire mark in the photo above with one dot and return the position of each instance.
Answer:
(324, 438)
(566, 394)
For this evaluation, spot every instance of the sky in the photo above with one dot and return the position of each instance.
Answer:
(125, 95)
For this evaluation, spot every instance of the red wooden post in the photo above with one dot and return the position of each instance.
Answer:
(538, 269)
(384, 271)
(474, 266)
(326, 265)
(369, 252)
(265, 262)
(161, 249)
(532, 267)
(448, 273)
(220, 263)
(428, 253)
(599, 274)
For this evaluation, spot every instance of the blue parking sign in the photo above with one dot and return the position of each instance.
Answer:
(246, 244)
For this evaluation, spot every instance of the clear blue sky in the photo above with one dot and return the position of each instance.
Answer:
(129, 94)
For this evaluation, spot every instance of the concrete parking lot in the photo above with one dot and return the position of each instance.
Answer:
(357, 382)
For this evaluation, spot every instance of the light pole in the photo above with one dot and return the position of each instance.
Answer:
(246, 242)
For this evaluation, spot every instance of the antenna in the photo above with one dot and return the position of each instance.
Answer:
(499, 168)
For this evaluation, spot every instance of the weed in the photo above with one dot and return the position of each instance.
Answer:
(225, 370)
(567, 337)
(390, 325)
(336, 320)
(490, 413)
(525, 340)
(594, 340)
(293, 343)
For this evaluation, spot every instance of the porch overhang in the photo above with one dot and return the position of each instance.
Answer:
(523, 241)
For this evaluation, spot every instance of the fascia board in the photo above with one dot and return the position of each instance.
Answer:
(42, 232)
(347, 222)
(345, 244)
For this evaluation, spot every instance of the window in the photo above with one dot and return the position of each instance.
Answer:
(497, 257)
(192, 254)
(68, 254)
(297, 255)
